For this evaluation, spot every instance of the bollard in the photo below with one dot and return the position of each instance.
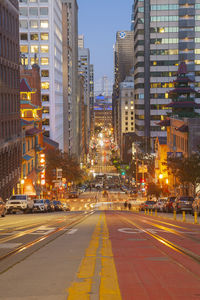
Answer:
(174, 215)
(145, 212)
(151, 212)
(148, 212)
(156, 213)
(195, 217)
(183, 216)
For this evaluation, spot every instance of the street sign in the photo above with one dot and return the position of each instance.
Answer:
(143, 169)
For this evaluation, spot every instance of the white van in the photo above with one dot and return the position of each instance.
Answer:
(22, 203)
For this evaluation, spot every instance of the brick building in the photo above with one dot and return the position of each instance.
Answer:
(10, 129)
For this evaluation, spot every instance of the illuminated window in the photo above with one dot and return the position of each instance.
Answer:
(132, 107)
(34, 49)
(45, 109)
(34, 60)
(33, 24)
(45, 73)
(34, 37)
(24, 61)
(131, 102)
(45, 98)
(24, 49)
(44, 48)
(46, 122)
(33, 1)
(23, 11)
(44, 61)
(126, 107)
(45, 85)
(44, 36)
(44, 24)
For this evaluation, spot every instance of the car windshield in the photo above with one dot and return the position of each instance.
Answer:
(38, 201)
(186, 199)
(18, 197)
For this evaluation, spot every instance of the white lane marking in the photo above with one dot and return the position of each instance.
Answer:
(9, 233)
(10, 245)
(130, 230)
(151, 230)
(72, 231)
(43, 230)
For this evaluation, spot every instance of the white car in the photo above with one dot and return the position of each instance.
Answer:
(22, 203)
(159, 205)
(40, 205)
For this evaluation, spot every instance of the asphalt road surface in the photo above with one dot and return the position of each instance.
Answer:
(98, 254)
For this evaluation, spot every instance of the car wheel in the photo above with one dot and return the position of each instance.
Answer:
(3, 215)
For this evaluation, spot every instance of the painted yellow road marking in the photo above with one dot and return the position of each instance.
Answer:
(81, 288)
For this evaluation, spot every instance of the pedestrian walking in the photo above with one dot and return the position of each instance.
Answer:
(125, 204)
(129, 206)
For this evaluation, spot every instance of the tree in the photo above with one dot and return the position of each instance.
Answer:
(154, 190)
(186, 169)
(69, 165)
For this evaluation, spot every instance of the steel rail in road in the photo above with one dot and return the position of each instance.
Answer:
(164, 241)
(62, 230)
(167, 229)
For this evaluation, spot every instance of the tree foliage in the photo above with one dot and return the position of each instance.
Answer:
(186, 169)
(69, 165)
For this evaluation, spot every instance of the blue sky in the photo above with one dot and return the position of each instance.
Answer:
(99, 20)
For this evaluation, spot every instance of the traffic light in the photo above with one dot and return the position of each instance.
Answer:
(123, 173)
(142, 181)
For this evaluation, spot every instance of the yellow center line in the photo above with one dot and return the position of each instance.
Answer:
(81, 288)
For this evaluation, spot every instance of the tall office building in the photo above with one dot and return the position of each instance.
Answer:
(92, 98)
(10, 127)
(123, 64)
(84, 70)
(70, 77)
(41, 42)
(165, 33)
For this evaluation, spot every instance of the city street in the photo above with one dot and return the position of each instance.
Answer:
(98, 255)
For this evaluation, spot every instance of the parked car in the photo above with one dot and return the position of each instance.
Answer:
(50, 206)
(183, 203)
(40, 205)
(73, 194)
(149, 204)
(160, 204)
(22, 203)
(2, 208)
(196, 206)
(65, 206)
(58, 205)
(168, 206)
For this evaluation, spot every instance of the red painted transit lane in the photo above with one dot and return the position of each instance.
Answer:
(148, 268)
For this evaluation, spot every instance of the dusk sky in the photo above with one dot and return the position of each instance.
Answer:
(99, 20)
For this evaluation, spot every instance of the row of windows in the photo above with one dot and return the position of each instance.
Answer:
(34, 24)
(28, 145)
(164, 18)
(9, 128)
(34, 36)
(9, 77)
(34, 49)
(8, 22)
(159, 63)
(165, 7)
(126, 129)
(153, 107)
(9, 103)
(157, 74)
(33, 1)
(164, 52)
(152, 128)
(44, 61)
(159, 41)
(8, 49)
(33, 11)
(126, 118)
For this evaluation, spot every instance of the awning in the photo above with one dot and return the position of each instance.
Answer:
(33, 131)
(27, 157)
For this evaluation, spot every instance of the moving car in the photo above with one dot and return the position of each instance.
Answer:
(22, 203)
(183, 203)
(58, 205)
(40, 205)
(50, 206)
(2, 208)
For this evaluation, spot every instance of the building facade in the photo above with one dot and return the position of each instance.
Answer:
(84, 70)
(165, 33)
(10, 128)
(126, 109)
(41, 43)
(123, 64)
(92, 99)
(71, 105)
